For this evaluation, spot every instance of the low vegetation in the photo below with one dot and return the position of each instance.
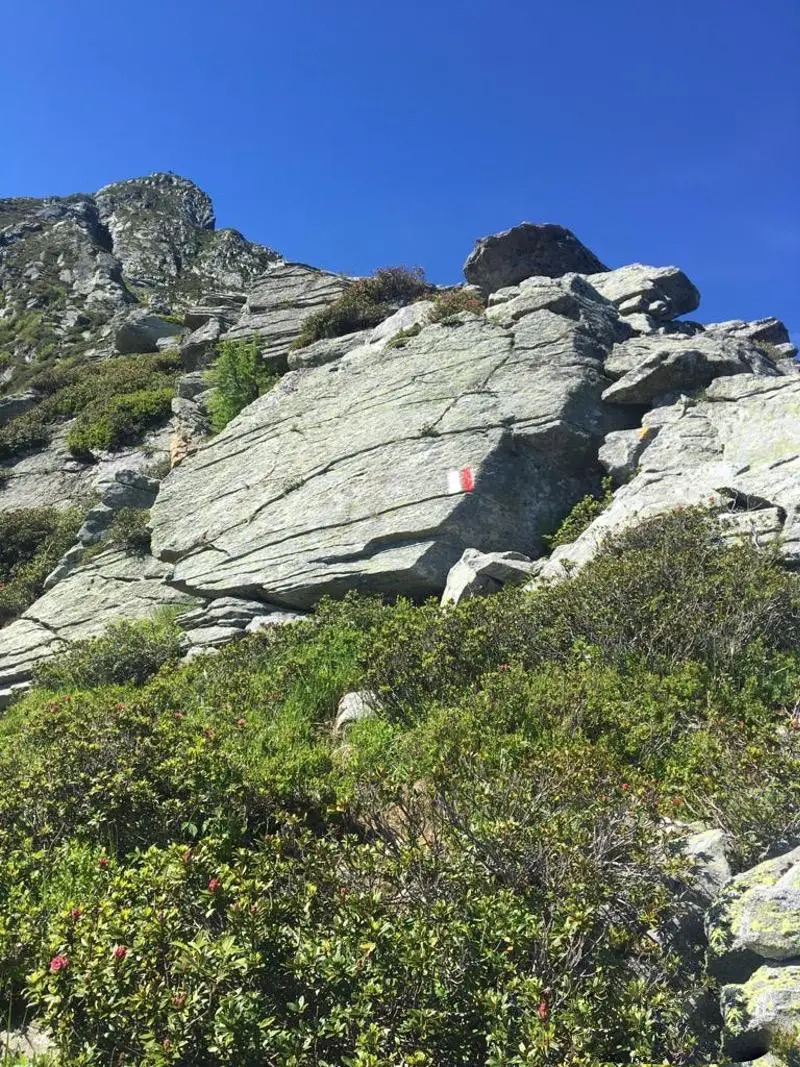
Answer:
(581, 516)
(452, 302)
(194, 869)
(32, 540)
(365, 303)
(238, 378)
(113, 402)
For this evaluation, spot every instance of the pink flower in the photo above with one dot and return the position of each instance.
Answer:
(241, 723)
(120, 952)
(103, 862)
(625, 786)
(543, 1010)
(178, 715)
(58, 963)
(214, 885)
(75, 914)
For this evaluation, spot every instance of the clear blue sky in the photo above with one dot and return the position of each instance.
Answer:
(356, 133)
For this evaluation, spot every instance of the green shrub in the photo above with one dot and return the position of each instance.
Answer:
(581, 517)
(401, 339)
(449, 304)
(32, 540)
(115, 402)
(365, 303)
(195, 869)
(129, 652)
(109, 423)
(238, 378)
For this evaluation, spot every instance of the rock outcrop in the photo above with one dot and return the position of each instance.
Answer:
(541, 250)
(383, 456)
(338, 478)
(736, 447)
(114, 585)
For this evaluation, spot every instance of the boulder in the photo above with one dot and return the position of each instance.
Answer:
(112, 586)
(226, 307)
(529, 250)
(141, 332)
(742, 436)
(481, 573)
(339, 477)
(199, 348)
(707, 851)
(191, 385)
(327, 350)
(647, 367)
(760, 1011)
(662, 293)
(353, 707)
(619, 453)
(768, 330)
(416, 314)
(756, 918)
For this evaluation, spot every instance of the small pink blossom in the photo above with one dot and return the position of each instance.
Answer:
(120, 952)
(58, 963)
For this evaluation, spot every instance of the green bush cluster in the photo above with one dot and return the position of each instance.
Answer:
(32, 540)
(238, 378)
(581, 516)
(197, 870)
(452, 302)
(365, 303)
(113, 402)
(127, 653)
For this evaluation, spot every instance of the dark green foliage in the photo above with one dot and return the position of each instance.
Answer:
(115, 402)
(239, 377)
(401, 339)
(114, 421)
(581, 517)
(365, 303)
(127, 653)
(474, 876)
(452, 302)
(32, 540)
(129, 530)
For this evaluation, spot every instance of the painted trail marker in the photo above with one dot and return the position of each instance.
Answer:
(462, 481)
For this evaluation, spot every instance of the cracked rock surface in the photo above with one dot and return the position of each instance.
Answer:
(338, 478)
(111, 587)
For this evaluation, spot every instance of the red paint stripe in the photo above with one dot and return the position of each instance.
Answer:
(467, 479)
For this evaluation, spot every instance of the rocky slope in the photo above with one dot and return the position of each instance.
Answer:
(342, 475)
(433, 453)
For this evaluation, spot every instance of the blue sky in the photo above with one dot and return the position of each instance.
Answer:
(354, 134)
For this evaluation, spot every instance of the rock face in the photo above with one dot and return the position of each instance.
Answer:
(738, 447)
(526, 251)
(649, 367)
(113, 586)
(661, 293)
(338, 478)
(71, 267)
(276, 309)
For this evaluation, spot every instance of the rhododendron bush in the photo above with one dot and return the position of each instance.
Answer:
(197, 870)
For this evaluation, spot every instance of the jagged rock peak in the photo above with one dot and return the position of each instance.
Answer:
(157, 192)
